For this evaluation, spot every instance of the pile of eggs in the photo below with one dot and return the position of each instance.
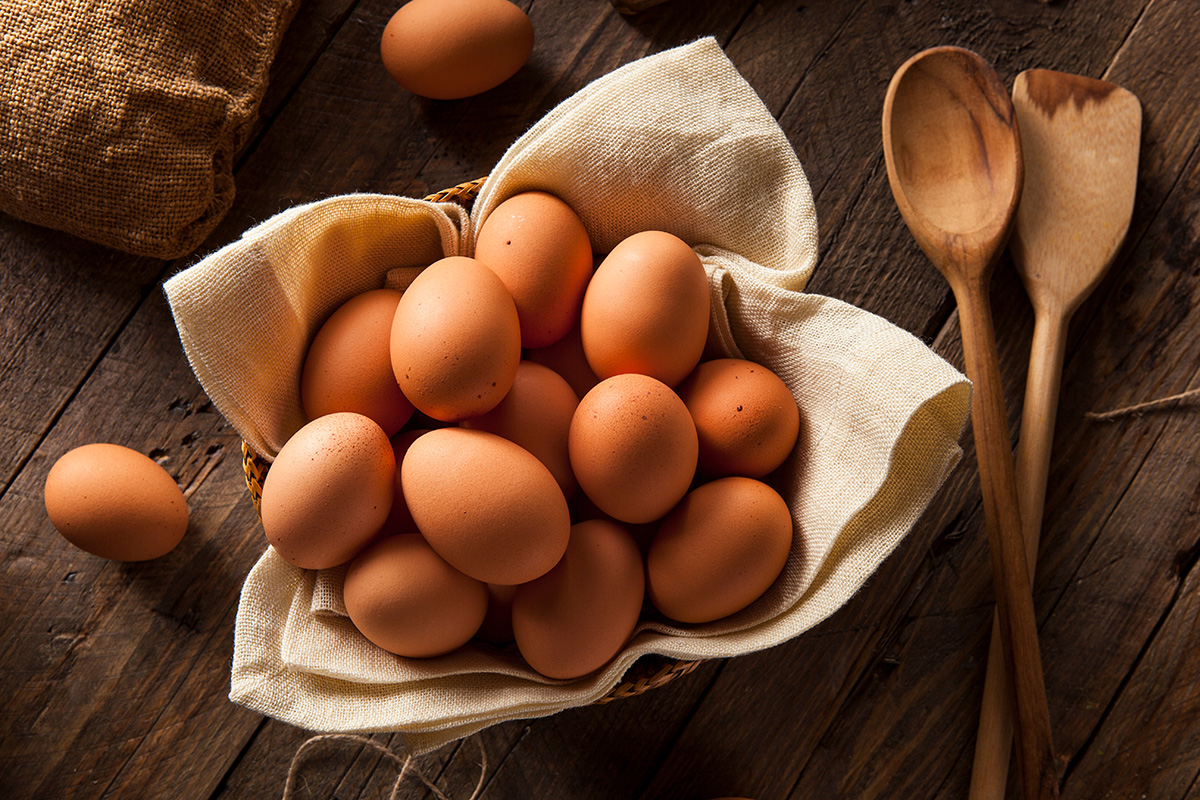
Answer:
(522, 447)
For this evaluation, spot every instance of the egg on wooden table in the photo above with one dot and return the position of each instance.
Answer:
(449, 49)
(115, 502)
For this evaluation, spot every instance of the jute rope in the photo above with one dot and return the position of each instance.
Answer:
(404, 764)
(1138, 408)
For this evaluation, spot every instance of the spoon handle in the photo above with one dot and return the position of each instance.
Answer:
(994, 740)
(1014, 597)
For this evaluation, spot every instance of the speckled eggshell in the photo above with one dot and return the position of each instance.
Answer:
(485, 504)
(115, 502)
(536, 414)
(349, 365)
(448, 49)
(329, 490)
(746, 418)
(719, 550)
(455, 340)
(567, 359)
(633, 447)
(575, 618)
(538, 246)
(405, 598)
(646, 309)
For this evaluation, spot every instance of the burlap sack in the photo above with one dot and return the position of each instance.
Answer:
(677, 141)
(122, 118)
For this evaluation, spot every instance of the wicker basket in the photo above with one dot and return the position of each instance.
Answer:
(648, 672)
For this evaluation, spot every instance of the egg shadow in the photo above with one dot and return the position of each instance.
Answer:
(192, 586)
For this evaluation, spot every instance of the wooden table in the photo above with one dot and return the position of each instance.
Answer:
(115, 677)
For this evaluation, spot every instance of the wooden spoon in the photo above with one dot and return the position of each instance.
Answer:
(954, 162)
(1080, 140)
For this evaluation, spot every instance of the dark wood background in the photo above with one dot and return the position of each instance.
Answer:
(114, 678)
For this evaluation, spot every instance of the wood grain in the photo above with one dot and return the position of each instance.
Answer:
(116, 678)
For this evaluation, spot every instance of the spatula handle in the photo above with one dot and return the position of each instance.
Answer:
(1014, 597)
(993, 743)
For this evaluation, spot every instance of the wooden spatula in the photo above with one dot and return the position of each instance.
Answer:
(1080, 140)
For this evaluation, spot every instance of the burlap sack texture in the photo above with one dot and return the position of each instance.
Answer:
(679, 142)
(122, 118)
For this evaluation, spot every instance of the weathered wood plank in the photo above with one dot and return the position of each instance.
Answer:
(62, 301)
(1147, 739)
(314, 26)
(118, 675)
(106, 663)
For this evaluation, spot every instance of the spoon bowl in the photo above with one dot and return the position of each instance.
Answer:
(953, 158)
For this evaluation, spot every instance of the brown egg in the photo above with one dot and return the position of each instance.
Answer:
(719, 550)
(538, 246)
(646, 309)
(447, 49)
(115, 503)
(455, 341)
(633, 447)
(349, 365)
(575, 618)
(567, 359)
(497, 623)
(399, 519)
(536, 414)
(329, 490)
(486, 505)
(746, 417)
(405, 598)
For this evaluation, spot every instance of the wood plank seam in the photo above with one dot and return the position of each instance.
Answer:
(830, 241)
(800, 82)
(1126, 42)
(84, 377)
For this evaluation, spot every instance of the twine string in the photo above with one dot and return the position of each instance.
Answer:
(404, 764)
(1138, 408)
